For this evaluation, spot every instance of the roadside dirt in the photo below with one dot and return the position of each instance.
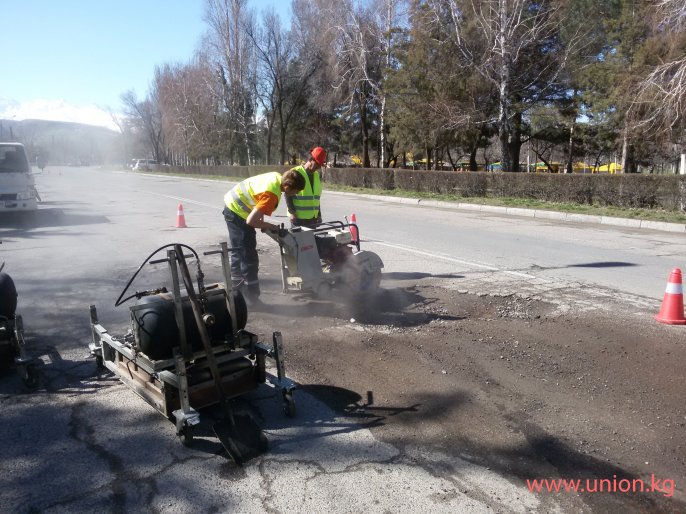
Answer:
(510, 382)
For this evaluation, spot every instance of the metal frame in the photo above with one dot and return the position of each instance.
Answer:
(12, 336)
(179, 387)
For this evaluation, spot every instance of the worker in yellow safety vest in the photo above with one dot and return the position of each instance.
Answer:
(304, 209)
(245, 206)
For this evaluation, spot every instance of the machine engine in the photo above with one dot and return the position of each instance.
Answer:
(326, 258)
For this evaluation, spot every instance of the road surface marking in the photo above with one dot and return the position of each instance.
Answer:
(185, 200)
(452, 259)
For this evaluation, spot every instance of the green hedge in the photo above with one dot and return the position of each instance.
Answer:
(627, 190)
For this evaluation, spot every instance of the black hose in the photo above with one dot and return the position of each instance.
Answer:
(128, 284)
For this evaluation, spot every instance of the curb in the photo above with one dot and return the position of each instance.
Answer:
(662, 226)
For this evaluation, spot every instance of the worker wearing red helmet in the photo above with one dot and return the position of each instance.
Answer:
(304, 209)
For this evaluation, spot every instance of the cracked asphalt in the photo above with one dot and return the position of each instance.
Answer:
(444, 394)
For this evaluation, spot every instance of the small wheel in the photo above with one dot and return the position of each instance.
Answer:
(186, 435)
(32, 378)
(288, 404)
(99, 362)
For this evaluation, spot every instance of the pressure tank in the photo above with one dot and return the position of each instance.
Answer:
(154, 322)
(8, 296)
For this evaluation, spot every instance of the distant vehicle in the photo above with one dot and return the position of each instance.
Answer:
(144, 165)
(17, 184)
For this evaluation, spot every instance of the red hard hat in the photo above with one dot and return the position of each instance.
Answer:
(319, 155)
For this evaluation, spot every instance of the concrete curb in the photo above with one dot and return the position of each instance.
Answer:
(678, 228)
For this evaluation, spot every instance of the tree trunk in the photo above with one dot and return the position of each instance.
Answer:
(628, 155)
(382, 131)
(382, 114)
(514, 146)
(472, 158)
(269, 145)
(504, 132)
(628, 164)
(283, 137)
(365, 134)
(570, 150)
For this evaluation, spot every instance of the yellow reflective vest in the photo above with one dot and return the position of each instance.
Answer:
(307, 201)
(241, 198)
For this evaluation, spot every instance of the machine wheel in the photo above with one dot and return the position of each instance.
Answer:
(32, 378)
(288, 404)
(186, 435)
(99, 362)
(370, 281)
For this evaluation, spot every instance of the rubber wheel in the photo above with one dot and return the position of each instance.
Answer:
(32, 378)
(371, 281)
(288, 404)
(99, 362)
(8, 296)
(186, 436)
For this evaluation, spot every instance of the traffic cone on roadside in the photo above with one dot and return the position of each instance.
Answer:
(180, 218)
(353, 229)
(672, 310)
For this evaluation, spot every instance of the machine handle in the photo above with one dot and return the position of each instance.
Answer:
(158, 261)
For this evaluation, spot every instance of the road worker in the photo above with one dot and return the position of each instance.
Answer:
(304, 209)
(245, 206)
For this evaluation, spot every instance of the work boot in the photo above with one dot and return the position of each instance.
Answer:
(252, 290)
(254, 302)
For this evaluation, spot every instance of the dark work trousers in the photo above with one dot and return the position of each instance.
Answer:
(245, 263)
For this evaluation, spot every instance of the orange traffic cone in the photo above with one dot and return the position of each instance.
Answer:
(353, 229)
(180, 218)
(672, 310)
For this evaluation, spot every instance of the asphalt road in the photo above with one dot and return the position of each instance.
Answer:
(84, 442)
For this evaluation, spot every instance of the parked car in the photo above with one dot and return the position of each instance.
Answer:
(145, 165)
(17, 184)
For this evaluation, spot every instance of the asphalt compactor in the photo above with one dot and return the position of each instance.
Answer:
(326, 261)
(187, 352)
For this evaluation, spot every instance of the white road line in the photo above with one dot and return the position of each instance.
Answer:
(186, 200)
(452, 259)
(390, 245)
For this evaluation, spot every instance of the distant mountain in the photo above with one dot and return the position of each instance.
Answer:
(61, 142)
(55, 110)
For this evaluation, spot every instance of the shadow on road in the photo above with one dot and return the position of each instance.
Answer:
(20, 224)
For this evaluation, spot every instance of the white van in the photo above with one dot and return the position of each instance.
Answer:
(17, 185)
(144, 165)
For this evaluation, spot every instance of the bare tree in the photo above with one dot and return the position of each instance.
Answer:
(510, 56)
(188, 105)
(388, 16)
(146, 117)
(661, 100)
(354, 60)
(230, 23)
(283, 79)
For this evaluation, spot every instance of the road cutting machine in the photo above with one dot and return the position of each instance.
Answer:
(12, 344)
(187, 349)
(327, 260)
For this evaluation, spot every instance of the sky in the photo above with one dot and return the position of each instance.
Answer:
(71, 60)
